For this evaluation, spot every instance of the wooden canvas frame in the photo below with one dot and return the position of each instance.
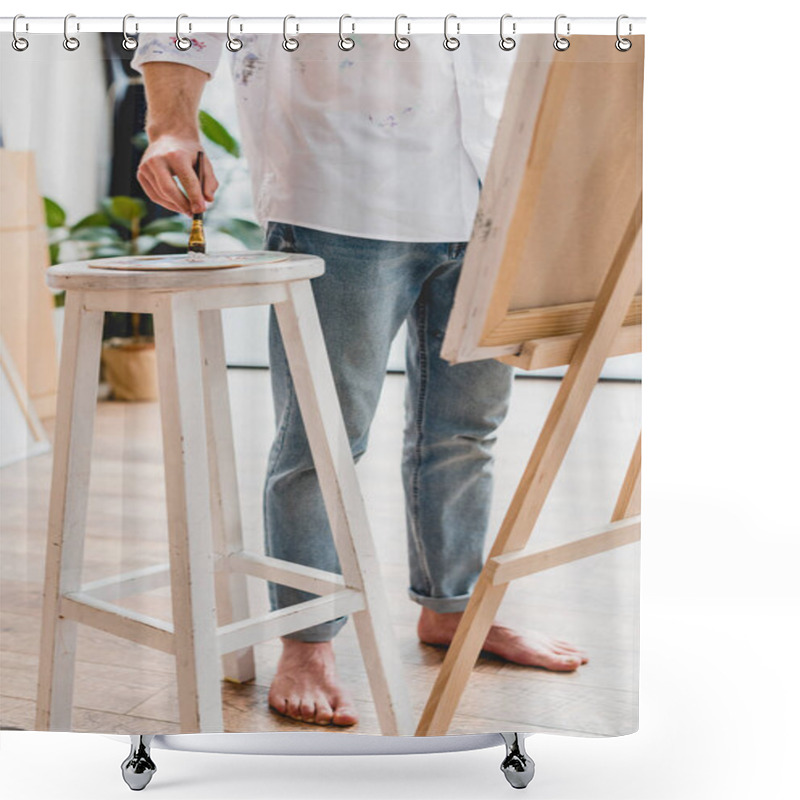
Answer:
(563, 180)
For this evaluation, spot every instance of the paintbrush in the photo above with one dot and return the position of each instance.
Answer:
(197, 236)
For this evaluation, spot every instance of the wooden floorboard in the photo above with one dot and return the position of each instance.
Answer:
(124, 688)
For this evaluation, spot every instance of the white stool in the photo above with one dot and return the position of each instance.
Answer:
(208, 566)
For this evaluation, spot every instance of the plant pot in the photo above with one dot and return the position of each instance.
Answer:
(129, 366)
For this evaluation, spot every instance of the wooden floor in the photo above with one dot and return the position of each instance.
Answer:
(125, 688)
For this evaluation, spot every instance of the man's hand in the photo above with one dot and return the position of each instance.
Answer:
(169, 156)
(173, 98)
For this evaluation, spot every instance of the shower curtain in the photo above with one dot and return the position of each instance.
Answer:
(395, 159)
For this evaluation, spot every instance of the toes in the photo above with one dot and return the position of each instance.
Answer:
(562, 663)
(308, 710)
(324, 714)
(293, 708)
(280, 704)
(345, 715)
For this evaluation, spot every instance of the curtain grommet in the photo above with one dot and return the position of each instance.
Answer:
(401, 43)
(71, 43)
(623, 45)
(507, 42)
(345, 42)
(233, 44)
(451, 43)
(128, 42)
(19, 43)
(181, 41)
(289, 44)
(561, 43)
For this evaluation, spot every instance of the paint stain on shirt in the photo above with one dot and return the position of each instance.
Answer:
(389, 120)
(250, 64)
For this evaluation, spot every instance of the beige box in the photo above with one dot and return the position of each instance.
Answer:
(26, 304)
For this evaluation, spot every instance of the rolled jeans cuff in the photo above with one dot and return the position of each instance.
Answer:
(323, 632)
(441, 605)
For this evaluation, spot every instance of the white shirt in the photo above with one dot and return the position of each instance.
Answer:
(371, 142)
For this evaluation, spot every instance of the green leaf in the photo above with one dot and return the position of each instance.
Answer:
(248, 233)
(99, 218)
(96, 234)
(144, 244)
(140, 140)
(110, 250)
(124, 209)
(216, 132)
(58, 299)
(179, 224)
(54, 215)
(179, 240)
(54, 254)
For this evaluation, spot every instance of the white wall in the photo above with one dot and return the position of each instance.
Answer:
(54, 102)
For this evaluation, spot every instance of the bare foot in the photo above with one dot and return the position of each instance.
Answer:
(531, 650)
(307, 688)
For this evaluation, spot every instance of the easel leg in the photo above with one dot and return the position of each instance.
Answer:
(178, 352)
(77, 400)
(629, 501)
(226, 520)
(330, 447)
(609, 312)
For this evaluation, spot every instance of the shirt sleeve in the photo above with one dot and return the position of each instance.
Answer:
(204, 54)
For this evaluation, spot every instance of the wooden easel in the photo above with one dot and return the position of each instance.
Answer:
(497, 312)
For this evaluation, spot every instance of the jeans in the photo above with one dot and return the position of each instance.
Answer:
(370, 287)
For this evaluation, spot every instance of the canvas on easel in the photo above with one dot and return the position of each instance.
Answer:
(552, 277)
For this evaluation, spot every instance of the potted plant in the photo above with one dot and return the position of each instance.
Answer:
(119, 227)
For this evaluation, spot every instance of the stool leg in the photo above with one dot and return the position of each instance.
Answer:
(232, 600)
(330, 447)
(76, 402)
(178, 353)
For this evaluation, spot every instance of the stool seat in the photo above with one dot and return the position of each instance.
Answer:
(78, 275)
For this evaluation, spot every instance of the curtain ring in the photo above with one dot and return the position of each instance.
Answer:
(345, 42)
(623, 45)
(71, 43)
(401, 42)
(128, 42)
(560, 43)
(181, 42)
(507, 42)
(451, 42)
(290, 44)
(18, 42)
(234, 45)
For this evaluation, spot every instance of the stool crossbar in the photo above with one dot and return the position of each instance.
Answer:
(213, 632)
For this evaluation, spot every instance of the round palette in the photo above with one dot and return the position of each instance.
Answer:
(186, 261)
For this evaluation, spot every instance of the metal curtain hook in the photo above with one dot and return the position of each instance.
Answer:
(560, 43)
(451, 42)
(623, 45)
(181, 42)
(290, 44)
(18, 42)
(70, 42)
(128, 42)
(401, 42)
(507, 42)
(234, 45)
(345, 42)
